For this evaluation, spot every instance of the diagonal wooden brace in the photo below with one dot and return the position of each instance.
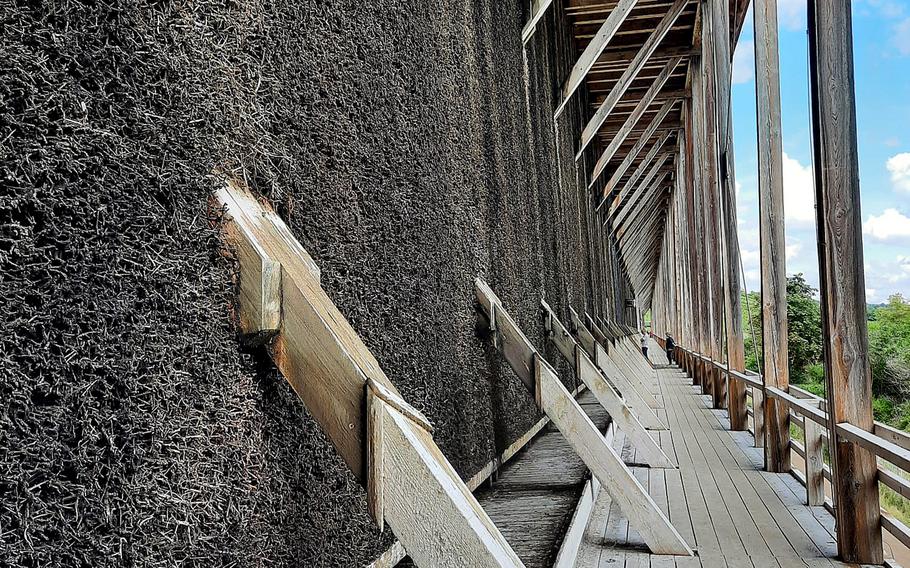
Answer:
(568, 416)
(589, 374)
(387, 443)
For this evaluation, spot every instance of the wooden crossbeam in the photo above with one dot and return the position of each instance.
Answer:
(635, 116)
(592, 52)
(619, 359)
(640, 170)
(629, 75)
(606, 395)
(653, 179)
(645, 137)
(378, 435)
(538, 9)
(565, 412)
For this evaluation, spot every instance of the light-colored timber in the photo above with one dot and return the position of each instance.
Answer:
(584, 437)
(603, 391)
(387, 444)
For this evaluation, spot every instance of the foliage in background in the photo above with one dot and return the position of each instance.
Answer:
(804, 329)
(889, 347)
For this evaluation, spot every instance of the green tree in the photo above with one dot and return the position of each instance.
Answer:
(889, 349)
(804, 329)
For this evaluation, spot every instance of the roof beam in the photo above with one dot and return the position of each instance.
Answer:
(637, 148)
(635, 116)
(647, 184)
(629, 75)
(592, 52)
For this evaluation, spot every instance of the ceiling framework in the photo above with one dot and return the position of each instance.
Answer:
(633, 58)
(635, 64)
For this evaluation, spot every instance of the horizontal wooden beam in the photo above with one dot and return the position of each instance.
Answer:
(635, 116)
(629, 75)
(595, 47)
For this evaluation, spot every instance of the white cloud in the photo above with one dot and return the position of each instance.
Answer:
(750, 257)
(793, 249)
(799, 193)
(744, 62)
(791, 14)
(871, 294)
(899, 166)
(890, 225)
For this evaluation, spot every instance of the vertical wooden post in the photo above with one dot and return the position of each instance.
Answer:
(842, 282)
(733, 325)
(815, 475)
(692, 228)
(773, 247)
(714, 221)
(758, 417)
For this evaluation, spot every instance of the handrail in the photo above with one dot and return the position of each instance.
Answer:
(885, 442)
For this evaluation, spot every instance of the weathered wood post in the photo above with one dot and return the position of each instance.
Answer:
(842, 282)
(814, 463)
(733, 325)
(773, 246)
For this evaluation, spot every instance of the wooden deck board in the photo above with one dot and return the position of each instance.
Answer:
(719, 499)
(535, 494)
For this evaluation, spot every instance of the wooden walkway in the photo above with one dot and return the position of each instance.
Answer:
(534, 495)
(729, 510)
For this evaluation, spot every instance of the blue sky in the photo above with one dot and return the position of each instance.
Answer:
(881, 34)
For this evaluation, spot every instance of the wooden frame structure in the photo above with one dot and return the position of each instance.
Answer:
(559, 405)
(652, 82)
(697, 300)
(375, 431)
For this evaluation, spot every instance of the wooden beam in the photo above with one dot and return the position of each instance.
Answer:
(592, 377)
(621, 169)
(714, 139)
(629, 75)
(634, 117)
(733, 325)
(592, 52)
(842, 282)
(640, 170)
(374, 430)
(771, 224)
(553, 398)
(538, 9)
(630, 392)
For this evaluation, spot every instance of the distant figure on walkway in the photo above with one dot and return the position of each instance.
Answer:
(644, 344)
(671, 349)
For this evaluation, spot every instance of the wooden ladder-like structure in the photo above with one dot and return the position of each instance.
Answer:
(560, 406)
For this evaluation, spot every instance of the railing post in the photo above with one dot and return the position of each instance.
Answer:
(815, 463)
(758, 417)
(841, 278)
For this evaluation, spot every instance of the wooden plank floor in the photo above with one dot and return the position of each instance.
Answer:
(535, 494)
(729, 511)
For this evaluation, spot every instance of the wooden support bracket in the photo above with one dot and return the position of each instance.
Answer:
(565, 412)
(387, 444)
(593, 378)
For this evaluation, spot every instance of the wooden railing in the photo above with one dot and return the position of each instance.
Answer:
(808, 414)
